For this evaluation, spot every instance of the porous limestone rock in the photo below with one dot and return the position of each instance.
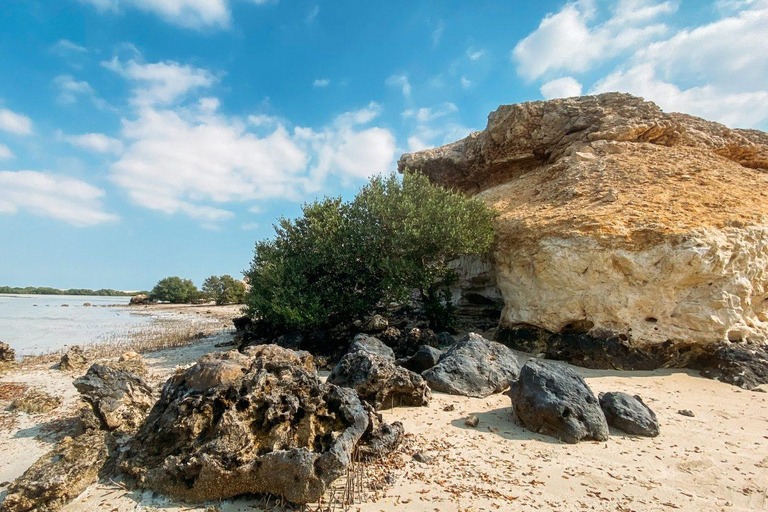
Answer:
(551, 399)
(7, 356)
(474, 367)
(620, 221)
(379, 381)
(35, 401)
(73, 359)
(120, 399)
(251, 423)
(58, 476)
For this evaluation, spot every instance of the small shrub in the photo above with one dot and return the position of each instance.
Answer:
(224, 290)
(339, 260)
(175, 290)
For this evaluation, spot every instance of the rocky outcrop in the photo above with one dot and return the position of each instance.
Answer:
(424, 359)
(552, 399)
(620, 222)
(35, 402)
(73, 360)
(629, 414)
(58, 476)
(379, 381)
(140, 300)
(474, 367)
(255, 422)
(120, 399)
(365, 343)
(7, 355)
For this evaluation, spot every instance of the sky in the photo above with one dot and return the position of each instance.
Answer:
(146, 138)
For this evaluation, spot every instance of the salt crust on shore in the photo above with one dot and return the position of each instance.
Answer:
(717, 460)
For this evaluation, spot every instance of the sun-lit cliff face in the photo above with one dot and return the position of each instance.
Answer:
(620, 220)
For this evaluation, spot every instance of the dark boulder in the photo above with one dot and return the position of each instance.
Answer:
(424, 359)
(741, 364)
(629, 414)
(120, 399)
(474, 367)
(292, 340)
(444, 339)
(365, 343)
(552, 399)
(379, 381)
(252, 423)
(58, 476)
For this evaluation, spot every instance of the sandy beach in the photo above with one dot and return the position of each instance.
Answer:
(716, 460)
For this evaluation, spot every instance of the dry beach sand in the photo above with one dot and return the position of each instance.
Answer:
(716, 460)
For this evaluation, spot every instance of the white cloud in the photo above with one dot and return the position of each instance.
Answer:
(311, 15)
(51, 195)
(96, 142)
(70, 89)
(401, 82)
(5, 152)
(426, 114)
(65, 46)
(466, 83)
(573, 40)
(197, 14)
(161, 82)
(437, 33)
(564, 87)
(434, 126)
(250, 226)
(321, 82)
(15, 123)
(474, 54)
(194, 161)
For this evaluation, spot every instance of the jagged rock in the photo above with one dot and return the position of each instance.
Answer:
(629, 414)
(73, 359)
(252, 423)
(365, 343)
(7, 354)
(379, 381)
(612, 224)
(58, 476)
(131, 362)
(743, 365)
(444, 339)
(474, 367)
(552, 399)
(120, 399)
(35, 402)
(424, 359)
(375, 323)
(381, 438)
(140, 300)
(390, 336)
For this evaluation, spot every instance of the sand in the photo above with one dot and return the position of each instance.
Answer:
(716, 460)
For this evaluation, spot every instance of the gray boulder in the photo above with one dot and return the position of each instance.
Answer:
(254, 423)
(365, 343)
(58, 476)
(424, 359)
(474, 367)
(629, 414)
(379, 381)
(552, 399)
(120, 399)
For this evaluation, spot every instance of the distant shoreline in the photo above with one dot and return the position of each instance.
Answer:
(45, 290)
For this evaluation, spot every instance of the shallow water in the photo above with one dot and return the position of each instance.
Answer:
(36, 324)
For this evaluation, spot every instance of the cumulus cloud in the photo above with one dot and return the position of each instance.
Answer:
(96, 142)
(5, 152)
(426, 114)
(564, 87)
(401, 82)
(574, 40)
(474, 54)
(13, 122)
(194, 161)
(434, 126)
(195, 14)
(321, 82)
(50, 195)
(66, 47)
(161, 82)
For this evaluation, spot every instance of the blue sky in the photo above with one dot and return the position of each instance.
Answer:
(145, 138)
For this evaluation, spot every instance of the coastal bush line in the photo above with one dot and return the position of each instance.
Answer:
(46, 290)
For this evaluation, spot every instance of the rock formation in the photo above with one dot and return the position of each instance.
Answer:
(365, 343)
(424, 359)
(258, 422)
(552, 399)
(620, 222)
(474, 367)
(73, 359)
(629, 414)
(35, 401)
(7, 355)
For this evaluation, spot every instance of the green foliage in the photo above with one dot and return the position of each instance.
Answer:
(175, 290)
(340, 259)
(46, 290)
(224, 290)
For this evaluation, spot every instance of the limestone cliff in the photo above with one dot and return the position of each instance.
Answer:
(619, 220)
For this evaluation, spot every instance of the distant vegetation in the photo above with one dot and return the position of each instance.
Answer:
(340, 260)
(46, 290)
(224, 290)
(175, 290)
